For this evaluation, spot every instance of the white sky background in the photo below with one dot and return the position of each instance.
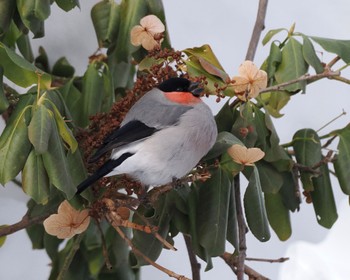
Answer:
(226, 26)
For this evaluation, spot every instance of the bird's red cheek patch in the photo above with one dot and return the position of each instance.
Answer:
(182, 97)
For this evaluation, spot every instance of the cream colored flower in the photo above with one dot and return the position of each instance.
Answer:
(250, 81)
(67, 222)
(144, 33)
(243, 155)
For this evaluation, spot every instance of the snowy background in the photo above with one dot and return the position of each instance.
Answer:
(226, 25)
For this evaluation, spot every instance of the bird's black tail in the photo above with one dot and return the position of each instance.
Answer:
(106, 168)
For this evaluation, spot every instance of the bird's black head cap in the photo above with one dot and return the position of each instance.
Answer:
(180, 85)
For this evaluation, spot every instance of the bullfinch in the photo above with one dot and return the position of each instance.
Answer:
(162, 137)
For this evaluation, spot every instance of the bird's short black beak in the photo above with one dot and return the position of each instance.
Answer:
(194, 89)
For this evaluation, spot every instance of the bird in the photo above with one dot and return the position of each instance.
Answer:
(162, 137)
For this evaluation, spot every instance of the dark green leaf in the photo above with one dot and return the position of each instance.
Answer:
(323, 199)
(342, 160)
(23, 44)
(232, 223)
(42, 61)
(272, 33)
(339, 47)
(274, 59)
(275, 101)
(71, 96)
(244, 126)
(4, 103)
(51, 244)
(131, 12)
(35, 181)
(224, 119)
(20, 71)
(67, 5)
(39, 129)
(14, 148)
(292, 65)
(278, 215)
(307, 149)
(105, 16)
(212, 212)
(56, 165)
(62, 68)
(289, 192)
(123, 72)
(36, 235)
(33, 13)
(254, 207)
(7, 8)
(271, 179)
(310, 55)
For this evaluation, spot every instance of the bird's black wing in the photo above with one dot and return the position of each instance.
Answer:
(128, 133)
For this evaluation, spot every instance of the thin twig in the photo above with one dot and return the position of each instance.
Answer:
(331, 121)
(25, 222)
(242, 229)
(195, 266)
(139, 253)
(258, 28)
(68, 260)
(232, 262)
(307, 77)
(280, 260)
(104, 247)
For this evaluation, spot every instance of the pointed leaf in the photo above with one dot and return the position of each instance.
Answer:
(310, 55)
(342, 160)
(39, 129)
(272, 33)
(292, 65)
(212, 212)
(20, 71)
(323, 199)
(307, 149)
(63, 68)
(254, 207)
(339, 47)
(105, 16)
(56, 165)
(14, 148)
(35, 182)
(278, 215)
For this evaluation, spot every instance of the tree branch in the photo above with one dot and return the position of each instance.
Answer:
(306, 77)
(25, 222)
(233, 263)
(258, 28)
(195, 266)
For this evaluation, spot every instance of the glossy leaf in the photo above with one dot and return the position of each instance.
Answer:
(212, 212)
(4, 103)
(292, 65)
(342, 160)
(307, 149)
(254, 207)
(323, 199)
(290, 192)
(339, 47)
(56, 165)
(271, 179)
(14, 148)
(33, 13)
(272, 33)
(39, 129)
(105, 16)
(232, 235)
(67, 5)
(310, 55)
(35, 181)
(20, 71)
(7, 8)
(278, 215)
